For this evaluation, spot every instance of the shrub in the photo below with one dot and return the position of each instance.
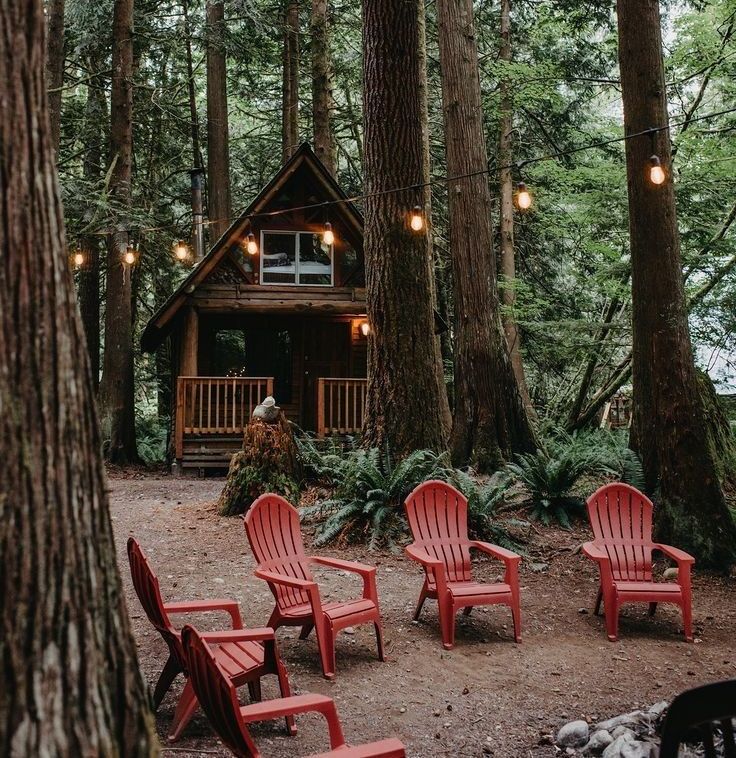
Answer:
(370, 488)
(152, 433)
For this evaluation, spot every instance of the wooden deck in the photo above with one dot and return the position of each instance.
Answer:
(212, 412)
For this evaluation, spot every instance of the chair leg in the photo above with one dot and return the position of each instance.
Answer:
(447, 623)
(285, 689)
(184, 711)
(598, 602)
(687, 618)
(254, 689)
(652, 609)
(611, 618)
(516, 615)
(326, 643)
(379, 640)
(275, 620)
(306, 631)
(169, 672)
(467, 610)
(422, 598)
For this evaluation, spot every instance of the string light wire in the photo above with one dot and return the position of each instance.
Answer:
(449, 179)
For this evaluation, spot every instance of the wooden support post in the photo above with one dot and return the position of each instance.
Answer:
(190, 343)
(320, 408)
(179, 422)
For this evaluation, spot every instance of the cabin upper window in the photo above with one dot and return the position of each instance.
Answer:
(296, 258)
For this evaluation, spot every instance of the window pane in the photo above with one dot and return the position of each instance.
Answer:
(315, 264)
(279, 258)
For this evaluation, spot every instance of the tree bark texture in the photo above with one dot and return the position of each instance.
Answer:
(490, 422)
(55, 67)
(218, 143)
(407, 403)
(197, 161)
(669, 430)
(290, 88)
(506, 224)
(323, 99)
(117, 399)
(69, 678)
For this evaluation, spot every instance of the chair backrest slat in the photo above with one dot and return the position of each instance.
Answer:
(275, 536)
(438, 519)
(216, 695)
(146, 586)
(621, 519)
(695, 713)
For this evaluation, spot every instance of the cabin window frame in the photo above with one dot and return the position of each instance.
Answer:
(296, 233)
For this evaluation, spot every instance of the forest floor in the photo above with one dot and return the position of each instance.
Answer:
(488, 696)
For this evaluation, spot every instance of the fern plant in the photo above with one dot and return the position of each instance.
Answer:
(368, 501)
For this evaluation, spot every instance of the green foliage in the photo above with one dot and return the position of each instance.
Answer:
(484, 500)
(151, 437)
(367, 504)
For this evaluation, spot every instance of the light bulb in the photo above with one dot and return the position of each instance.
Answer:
(656, 172)
(251, 245)
(523, 198)
(130, 255)
(328, 236)
(181, 250)
(365, 328)
(417, 219)
(79, 259)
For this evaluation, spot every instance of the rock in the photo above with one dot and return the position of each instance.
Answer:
(635, 717)
(621, 730)
(670, 574)
(614, 750)
(574, 734)
(599, 741)
(637, 750)
(658, 709)
(538, 567)
(267, 411)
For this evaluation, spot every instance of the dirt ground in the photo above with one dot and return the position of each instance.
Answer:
(488, 696)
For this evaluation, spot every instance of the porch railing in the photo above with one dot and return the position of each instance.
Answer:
(340, 405)
(216, 404)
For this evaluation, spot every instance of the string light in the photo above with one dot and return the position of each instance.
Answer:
(328, 236)
(78, 258)
(416, 220)
(657, 173)
(365, 328)
(131, 255)
(181, 250)
(250, 244)
(523, 198)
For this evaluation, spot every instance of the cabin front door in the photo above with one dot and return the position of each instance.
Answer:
(326, 354)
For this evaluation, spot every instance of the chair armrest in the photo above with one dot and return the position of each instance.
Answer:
(595, 552)
(680, 556)
(239, 635)
(206, 606)
(289, 581)
(422, 556)
(289, 706)
(507, 556)
(337, 563)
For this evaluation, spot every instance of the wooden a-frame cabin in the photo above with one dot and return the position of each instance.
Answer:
(288, 321)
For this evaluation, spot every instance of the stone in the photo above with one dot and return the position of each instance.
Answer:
(621, 730)
(670, 574)
(614, 750)
(658, 709)
(635, 717)
(267, 411)
(598, 742)
(538, 567)
(574, 734)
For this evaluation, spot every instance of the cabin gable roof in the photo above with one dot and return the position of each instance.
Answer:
(161, 323)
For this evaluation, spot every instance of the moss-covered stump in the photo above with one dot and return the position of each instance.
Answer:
(267, 463)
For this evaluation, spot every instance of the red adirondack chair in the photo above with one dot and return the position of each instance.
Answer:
(621, 518)
(229, 719)
(438, 517)
(245, 659)
(273, 530)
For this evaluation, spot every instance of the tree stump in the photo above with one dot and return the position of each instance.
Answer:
(267, 463)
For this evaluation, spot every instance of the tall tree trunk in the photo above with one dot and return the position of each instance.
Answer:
(508, 253)
(218, 145)
(193, 117)
(323, 101)
(70, 683)
(669, 430)
(55, 66)
(490, 422)
(290, 89)
(89, 277)
(407, 404)
(117, 399)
